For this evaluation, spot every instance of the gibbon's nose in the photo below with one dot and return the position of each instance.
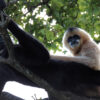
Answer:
(71, 29)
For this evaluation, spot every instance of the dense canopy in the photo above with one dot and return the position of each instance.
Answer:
(48, 19)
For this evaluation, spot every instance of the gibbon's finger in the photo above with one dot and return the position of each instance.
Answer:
(2, 4)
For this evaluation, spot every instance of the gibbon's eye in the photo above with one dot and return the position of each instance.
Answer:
(76, 37)
(73, 41)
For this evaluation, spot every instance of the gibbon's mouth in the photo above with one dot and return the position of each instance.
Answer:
(73, 41)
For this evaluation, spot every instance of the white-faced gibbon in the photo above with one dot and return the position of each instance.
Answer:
(83, 48)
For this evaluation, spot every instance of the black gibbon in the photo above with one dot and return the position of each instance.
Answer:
(29, 52)
(61, 75)
(83, 48)
(33, 55)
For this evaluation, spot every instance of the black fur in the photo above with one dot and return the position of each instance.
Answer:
(30, 48)
(25, 53)
(65, 76)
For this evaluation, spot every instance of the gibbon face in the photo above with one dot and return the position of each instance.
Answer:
(74, 38)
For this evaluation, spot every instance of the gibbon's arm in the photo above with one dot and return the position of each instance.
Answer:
(79, 59)
(28, 41)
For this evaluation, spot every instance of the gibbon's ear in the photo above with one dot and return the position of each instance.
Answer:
(2, 4)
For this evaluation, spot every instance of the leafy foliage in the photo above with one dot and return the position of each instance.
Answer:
(67, 13)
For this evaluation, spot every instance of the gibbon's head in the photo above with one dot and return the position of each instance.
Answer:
(74, 38)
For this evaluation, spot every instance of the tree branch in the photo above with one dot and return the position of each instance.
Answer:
(5, 35)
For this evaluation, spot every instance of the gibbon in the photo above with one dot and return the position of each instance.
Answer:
(83, 48)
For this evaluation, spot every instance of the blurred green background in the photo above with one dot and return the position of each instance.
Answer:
(48, 19)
